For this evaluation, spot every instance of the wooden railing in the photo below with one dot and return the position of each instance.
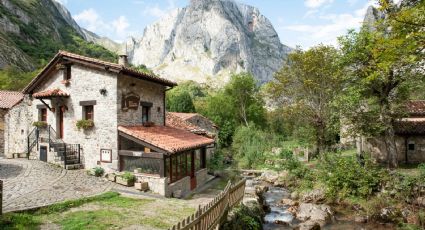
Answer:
(214, 213)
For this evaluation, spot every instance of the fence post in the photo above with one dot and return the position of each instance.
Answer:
(1, 197)
(79, 158)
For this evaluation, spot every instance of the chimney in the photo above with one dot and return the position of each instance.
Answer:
(123, 60)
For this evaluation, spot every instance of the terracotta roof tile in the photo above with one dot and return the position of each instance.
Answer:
(177, 122)
(416, 108)
(170, 139)
(50, 93)
(9, 98)
(408, 126)
(184, 116)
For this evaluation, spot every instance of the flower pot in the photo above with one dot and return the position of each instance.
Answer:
(124, 182)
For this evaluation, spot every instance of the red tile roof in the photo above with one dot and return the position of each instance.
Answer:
(99, 63)
(170, 139)
(172, 120)
(9, 98)
(416, 108)
(184, 116)
(50, 93)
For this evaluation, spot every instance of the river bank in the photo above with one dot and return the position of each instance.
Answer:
(283, 210)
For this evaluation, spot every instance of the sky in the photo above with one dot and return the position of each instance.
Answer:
(303, 23)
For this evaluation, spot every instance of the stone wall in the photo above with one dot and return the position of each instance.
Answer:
(204, 123)
(2, 127)
(201, 177)
(148, 92)
(156, 184)
(181, 186)
(85, 85)
(377, 148)
(18, 124)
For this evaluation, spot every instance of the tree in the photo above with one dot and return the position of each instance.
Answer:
(381, 64)
(180, 101)
(307, 86)
(243, 93)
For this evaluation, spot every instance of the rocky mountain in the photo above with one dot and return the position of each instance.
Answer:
(208, 40)
(32, 31)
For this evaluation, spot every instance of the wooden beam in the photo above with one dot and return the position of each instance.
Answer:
(140, 154)
(45, 104)
(155, 148)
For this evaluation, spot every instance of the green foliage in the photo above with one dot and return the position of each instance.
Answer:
(307, 86)
(40, 124)
(128, 176)
(180, 101)
(251, 144)
(18, 221)
(84, 124)
(11, 78)
(98, 171)
(344, 176)
(244, 218)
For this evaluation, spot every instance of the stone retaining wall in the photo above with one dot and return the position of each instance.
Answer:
(156, 184)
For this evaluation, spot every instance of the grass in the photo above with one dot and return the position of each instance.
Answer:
(106, 211)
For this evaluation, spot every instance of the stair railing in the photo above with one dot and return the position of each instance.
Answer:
(32, 140)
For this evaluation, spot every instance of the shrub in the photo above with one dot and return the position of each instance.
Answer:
(129, 176)
(98, 171)
(40, 124)
(244, 218)
(345, 176)
(85, 124)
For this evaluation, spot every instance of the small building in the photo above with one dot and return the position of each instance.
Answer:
(410, 137)
(8, 99)
(81, 112)
(193, 122)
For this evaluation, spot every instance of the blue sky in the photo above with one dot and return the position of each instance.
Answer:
(298, 22)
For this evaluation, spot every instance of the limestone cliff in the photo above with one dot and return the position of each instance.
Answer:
(208, 40)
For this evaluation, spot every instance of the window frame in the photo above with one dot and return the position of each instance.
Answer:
(85, 113)
(43, 114)
(148, 118)
(67, 73)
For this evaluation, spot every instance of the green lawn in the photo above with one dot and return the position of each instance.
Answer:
(106, 211)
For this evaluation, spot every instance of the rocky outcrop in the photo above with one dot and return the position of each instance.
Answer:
(208, 40)
(314, 196)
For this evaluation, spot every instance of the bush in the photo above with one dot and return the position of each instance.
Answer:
(98, 171)
(244, 218)
(129, 176)
(345, 176)
(40, 124)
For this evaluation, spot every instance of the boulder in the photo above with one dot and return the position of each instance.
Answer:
(389, 214)
(288, 202)
(315, 196)
(360, 219)
(269, 176)
(310, 225)
(314, 212)
(295, 195)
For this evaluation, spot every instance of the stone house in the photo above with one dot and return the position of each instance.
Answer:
(410, 137)
(90, 113)
(194, 123)
(8, 99)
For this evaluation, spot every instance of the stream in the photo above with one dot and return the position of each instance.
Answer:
(278, 218)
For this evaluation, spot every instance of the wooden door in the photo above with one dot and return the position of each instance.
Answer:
(192, 171)
(61, 130)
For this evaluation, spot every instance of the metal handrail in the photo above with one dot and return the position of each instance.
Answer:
(31, 144)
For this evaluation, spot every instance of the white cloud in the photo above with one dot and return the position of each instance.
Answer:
(334, 25)
(157, 11)
(120, 26)
(117, 28)
(316, 3)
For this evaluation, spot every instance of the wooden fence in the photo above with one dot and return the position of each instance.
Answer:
(214, 213)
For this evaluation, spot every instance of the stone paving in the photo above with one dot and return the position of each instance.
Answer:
(31, 183)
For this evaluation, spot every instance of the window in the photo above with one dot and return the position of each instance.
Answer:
(88, 112)
(67, 73)
(145, 114)
(43, 115)
(411, 147)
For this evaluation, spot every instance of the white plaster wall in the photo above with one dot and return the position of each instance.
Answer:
(84, 86)
(148, 92)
